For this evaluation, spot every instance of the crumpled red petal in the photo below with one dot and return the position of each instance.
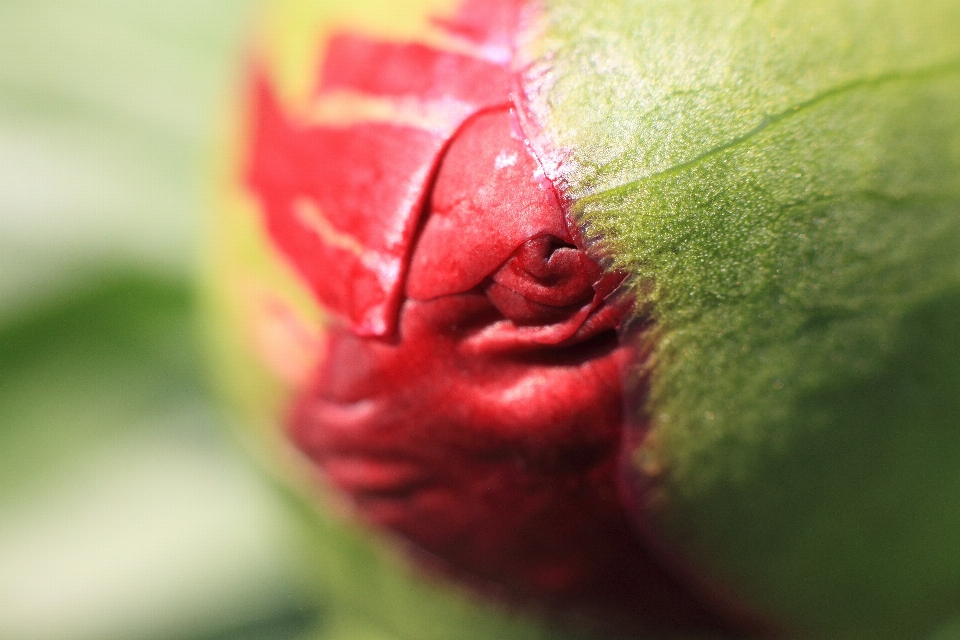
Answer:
(343, 202)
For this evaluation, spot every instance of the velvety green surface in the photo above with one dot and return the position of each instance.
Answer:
(783, 180)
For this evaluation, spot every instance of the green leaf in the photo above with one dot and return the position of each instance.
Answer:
(782, 180)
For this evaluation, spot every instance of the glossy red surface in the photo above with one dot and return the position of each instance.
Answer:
(470, 400)
(343, 202)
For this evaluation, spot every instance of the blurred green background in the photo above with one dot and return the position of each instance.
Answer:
(125, 512)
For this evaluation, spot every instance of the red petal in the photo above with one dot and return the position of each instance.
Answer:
(489, 199)
(549, 273)
(491, 25)
(343, 205)
(411, 69)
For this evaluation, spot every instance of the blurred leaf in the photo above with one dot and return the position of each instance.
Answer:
(123, 513)
(105, 111)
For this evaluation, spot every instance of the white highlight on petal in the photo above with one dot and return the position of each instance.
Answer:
(504, 160)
